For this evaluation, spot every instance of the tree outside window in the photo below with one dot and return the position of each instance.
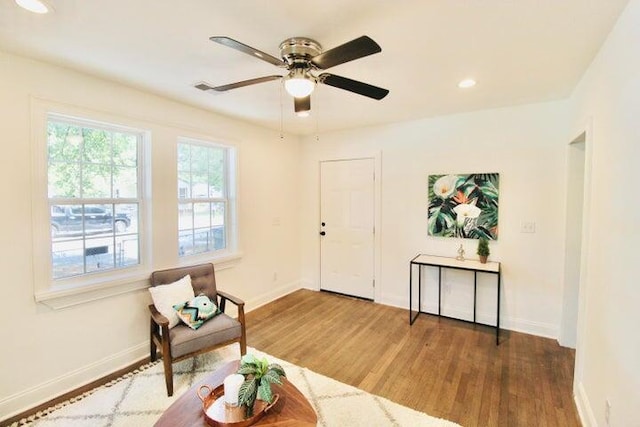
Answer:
(93, 180)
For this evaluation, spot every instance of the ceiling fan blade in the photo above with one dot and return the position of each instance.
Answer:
(357, 48)
(234, 44)
(354, 86)
(224, 88)
(302, 105)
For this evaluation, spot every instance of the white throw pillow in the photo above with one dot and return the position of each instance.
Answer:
(166, 296)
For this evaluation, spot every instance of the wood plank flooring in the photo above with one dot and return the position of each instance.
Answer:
(443, 367)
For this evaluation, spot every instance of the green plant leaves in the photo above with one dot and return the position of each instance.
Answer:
(277, 369)
(247, 370)
(271, 377)
(259, 375)
(249, 359)
(247, 394)
(264, 391)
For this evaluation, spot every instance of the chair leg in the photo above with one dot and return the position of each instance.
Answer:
(168, 374)
(153, 352)
(153, 349)
(153, 330)
(243, 345)
(243, 331)
(166, 361)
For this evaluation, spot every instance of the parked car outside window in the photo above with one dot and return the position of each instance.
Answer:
(78, 220)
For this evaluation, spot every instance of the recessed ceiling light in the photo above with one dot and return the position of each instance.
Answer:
(467, 83)
(35, 6)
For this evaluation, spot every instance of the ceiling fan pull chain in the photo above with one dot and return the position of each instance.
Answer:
(317, 114)
(281, 114)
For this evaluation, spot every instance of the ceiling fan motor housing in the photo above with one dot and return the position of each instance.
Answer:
(299, 50)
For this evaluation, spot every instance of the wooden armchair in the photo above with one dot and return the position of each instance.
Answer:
(181, 342)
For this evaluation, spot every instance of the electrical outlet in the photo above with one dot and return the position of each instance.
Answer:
(607, 411)
(527, 227)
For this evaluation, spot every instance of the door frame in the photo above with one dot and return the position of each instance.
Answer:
(573, 262)
(586, 132)
(377, 192)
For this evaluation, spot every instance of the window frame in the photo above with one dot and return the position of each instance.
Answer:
(69, 291)
(228, 256)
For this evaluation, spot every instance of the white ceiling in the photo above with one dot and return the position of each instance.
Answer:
(519, 51)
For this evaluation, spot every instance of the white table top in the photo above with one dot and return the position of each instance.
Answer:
(468, 264)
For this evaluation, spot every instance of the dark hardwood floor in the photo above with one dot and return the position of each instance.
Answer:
(443, 367)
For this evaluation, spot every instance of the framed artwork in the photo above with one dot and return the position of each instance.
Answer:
(464, 205)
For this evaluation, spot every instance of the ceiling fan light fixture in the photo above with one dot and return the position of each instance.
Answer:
(299, 84)
(35, 6)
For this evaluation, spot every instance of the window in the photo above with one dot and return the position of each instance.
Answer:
(93, 178)
(205, 189)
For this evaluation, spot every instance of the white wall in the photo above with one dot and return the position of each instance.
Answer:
(608, 352)
(46, 352)
(524, 144)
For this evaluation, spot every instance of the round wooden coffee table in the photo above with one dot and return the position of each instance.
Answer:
(292, 409)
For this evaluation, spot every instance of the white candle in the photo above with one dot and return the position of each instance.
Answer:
(232, 388)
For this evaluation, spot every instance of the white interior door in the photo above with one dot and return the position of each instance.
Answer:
(347, 227)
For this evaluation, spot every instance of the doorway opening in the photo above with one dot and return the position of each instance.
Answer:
(573, 241)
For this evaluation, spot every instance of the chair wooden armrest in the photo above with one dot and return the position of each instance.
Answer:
(235, 300)
(158, 318)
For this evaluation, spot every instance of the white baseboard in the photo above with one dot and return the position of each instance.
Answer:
(308, 284)
(541, 329)
(584, 407)
(272, 295)
(41, 393)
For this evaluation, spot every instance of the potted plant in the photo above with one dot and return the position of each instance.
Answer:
(483, 249)
(259, 375)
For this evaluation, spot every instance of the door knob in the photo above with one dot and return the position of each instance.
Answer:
(322, 233)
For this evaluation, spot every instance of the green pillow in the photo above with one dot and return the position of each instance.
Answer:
(195, 312)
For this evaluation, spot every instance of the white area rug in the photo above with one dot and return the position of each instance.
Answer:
(139, 399)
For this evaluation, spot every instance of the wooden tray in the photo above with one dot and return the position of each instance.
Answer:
(218, 414)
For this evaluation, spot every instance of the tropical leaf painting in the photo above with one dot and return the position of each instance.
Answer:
(464, 205)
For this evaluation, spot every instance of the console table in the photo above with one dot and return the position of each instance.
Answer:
(441, 262)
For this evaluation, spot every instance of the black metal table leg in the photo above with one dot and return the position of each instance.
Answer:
(475, 282)
(498, 309)
(439, 288)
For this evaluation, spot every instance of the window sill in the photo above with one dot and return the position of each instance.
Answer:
(220, 262)
(63, 297)
(60, 297)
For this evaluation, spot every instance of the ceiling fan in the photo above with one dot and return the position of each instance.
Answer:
(302, 58)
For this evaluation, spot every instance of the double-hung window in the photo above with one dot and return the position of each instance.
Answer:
(94, 196)
(205, 198)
